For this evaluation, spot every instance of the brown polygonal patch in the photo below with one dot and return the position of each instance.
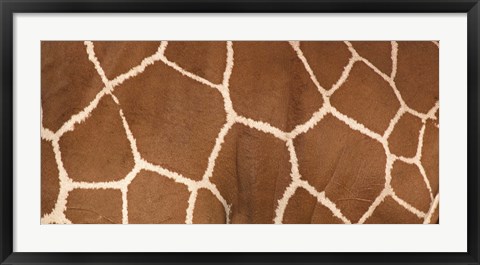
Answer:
(156, 199)
(69, 81)
(203, 58)
(50, 182)
(94, 206)
(321, 149)
(408, 184)
(269, 83)
(390, 212)
(348, 165)
(379, 53)
(367, 98)
(208, 209)
(174, 118)
(100, 143)
(404, 138)
(300, 208)
(327, 60)
(252, 171)
(118, 57)
(430, 160)
(417, 75)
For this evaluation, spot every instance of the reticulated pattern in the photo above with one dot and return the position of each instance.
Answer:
(67, 185)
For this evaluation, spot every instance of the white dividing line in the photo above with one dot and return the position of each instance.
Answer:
(425, 178)
(431, 113)
(124, 205)
(133, 143)
(312, 122)
(393, 122)
(296, 48)
(93, 58)
(189, 74)
(418, 153)
(324, 200)
(283, 202)
(408, 206)
(229, 65)
(191, 205)
(388, 170)
(394, 55)
(432, 209)
(82, 115)
(116, 185)
(354, 125)
(47, 135)
(139, 68)
(293, 160)
(167, 173)
(351, 49)
(213, 188)
(345, 74)
(216, 149)
(385, 192)
(263, 127)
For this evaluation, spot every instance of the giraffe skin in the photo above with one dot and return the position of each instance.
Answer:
(240, 132)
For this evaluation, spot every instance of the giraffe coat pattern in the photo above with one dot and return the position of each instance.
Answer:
(240, 132)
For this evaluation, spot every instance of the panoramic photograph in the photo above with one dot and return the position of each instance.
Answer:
(240, 132)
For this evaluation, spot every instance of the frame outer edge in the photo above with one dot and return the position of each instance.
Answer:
(8, 7)
(6, 136)
(473, 24)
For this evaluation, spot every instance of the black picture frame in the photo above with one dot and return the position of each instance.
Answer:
(9, 8)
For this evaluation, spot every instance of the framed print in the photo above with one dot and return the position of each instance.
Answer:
(167, 132)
